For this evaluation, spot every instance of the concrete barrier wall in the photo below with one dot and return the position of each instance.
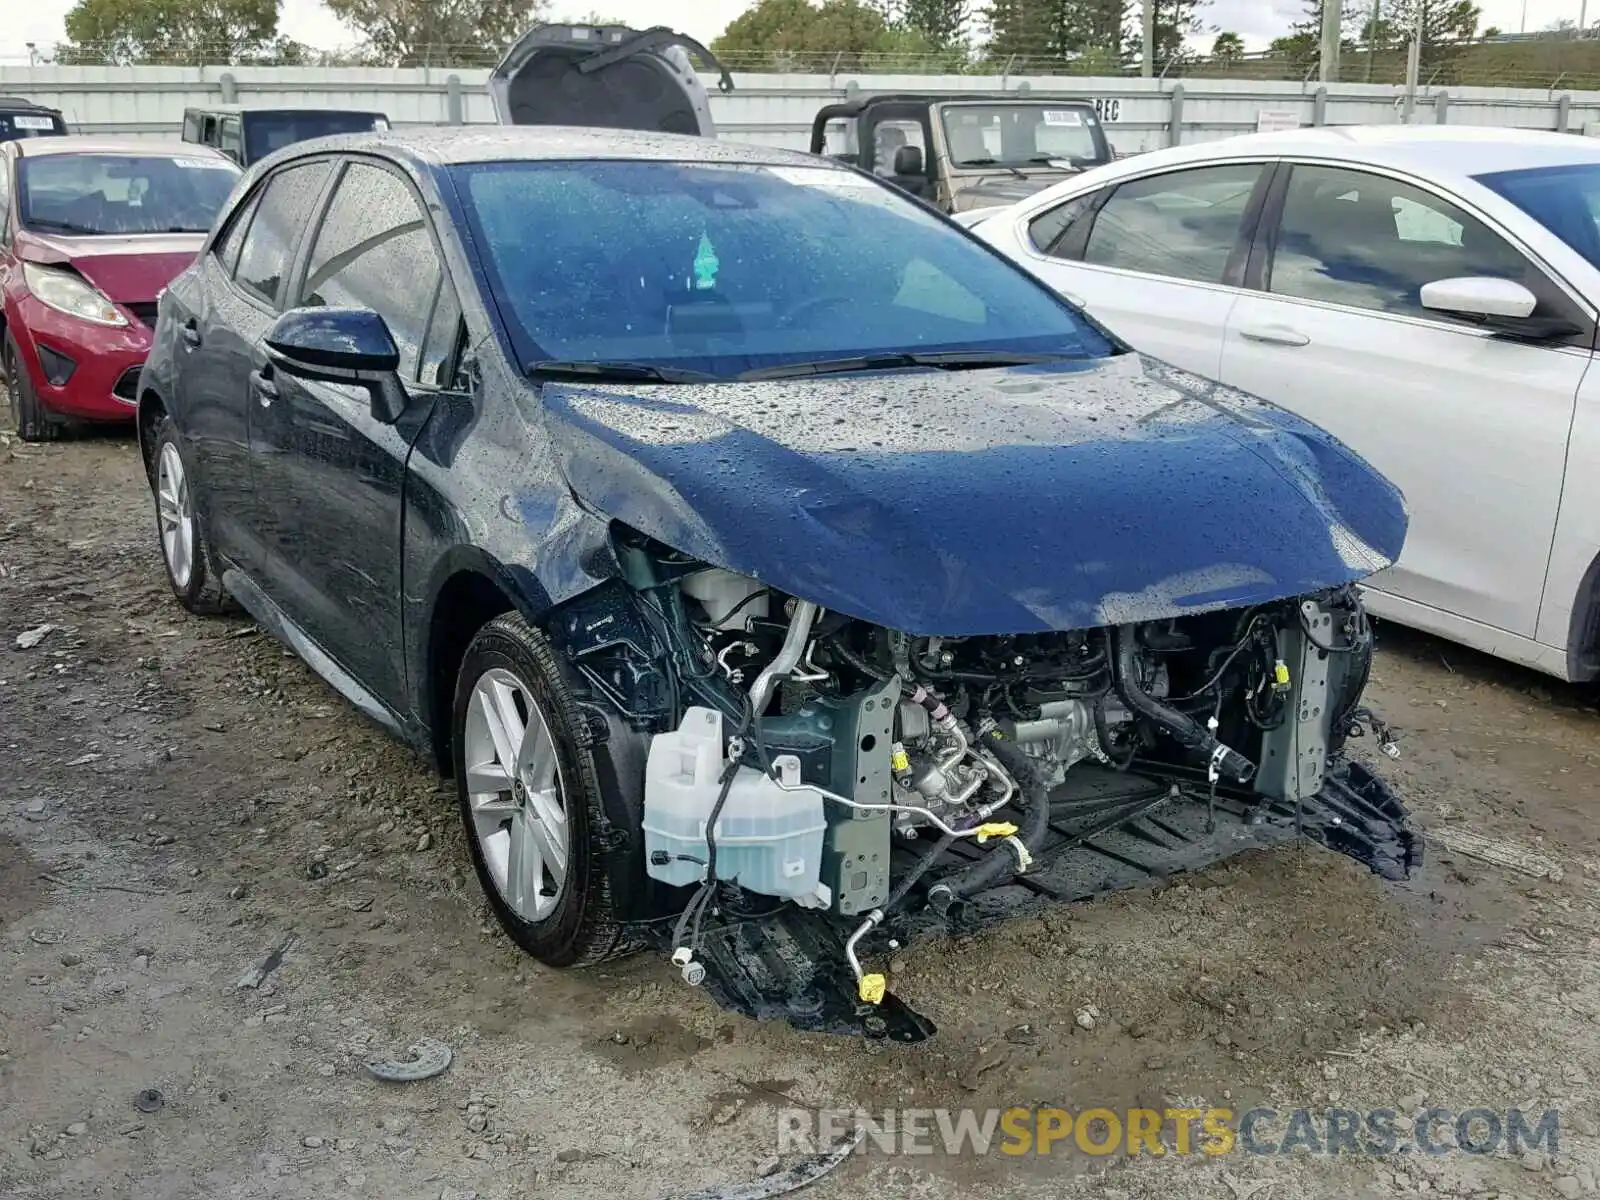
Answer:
(1142, 114)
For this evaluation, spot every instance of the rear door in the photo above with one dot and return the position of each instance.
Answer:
(1158, 259)
(223, 309)
(329, 477)
(1471, 427)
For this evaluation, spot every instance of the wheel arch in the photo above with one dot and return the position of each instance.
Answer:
(1583, 639)
(472, 589)
(152, 407)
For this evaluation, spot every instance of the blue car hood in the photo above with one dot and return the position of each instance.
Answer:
(1017, 500)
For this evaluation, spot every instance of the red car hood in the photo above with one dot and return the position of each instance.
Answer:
(129, 270)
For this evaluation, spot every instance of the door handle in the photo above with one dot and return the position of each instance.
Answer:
(191, 332)
(1274, 335)
(261, 383)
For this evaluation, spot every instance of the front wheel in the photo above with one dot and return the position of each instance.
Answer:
(530, 798)
(191, 571)
(32, 422)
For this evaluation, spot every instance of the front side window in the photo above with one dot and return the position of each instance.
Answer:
(1564, 199)
(1368, 241)
(85, 194)
(888, 137)
(281, 217)
(732, 267)
(1049, 231)
(1182, 224)
(374, 251)
(1022, 135)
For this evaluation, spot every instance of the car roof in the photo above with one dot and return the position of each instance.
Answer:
(1459, 151)
(852, 108)
(448, 145)
(23, 104)
(93, 144)
(245, 110)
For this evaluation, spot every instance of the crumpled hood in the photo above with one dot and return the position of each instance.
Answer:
(130, 269)
(1015, 500)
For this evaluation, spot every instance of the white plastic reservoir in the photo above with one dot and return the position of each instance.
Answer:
(769, 839)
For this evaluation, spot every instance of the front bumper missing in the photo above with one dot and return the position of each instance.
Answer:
(1122, 831)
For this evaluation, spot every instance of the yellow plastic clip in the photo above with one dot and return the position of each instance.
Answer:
(899, 760)
(873, 988)
(999, 829)
(1280, 674)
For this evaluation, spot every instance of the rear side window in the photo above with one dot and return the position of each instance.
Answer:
(1182, 224)
(374, 251)
(282, 214)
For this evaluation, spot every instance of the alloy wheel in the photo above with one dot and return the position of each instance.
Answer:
(515, 794)
(175, 515)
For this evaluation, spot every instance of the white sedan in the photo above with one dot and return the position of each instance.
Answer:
(1427, 294)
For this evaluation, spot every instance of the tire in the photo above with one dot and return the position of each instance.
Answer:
(185, 553)
(33, 423)
(561, 913)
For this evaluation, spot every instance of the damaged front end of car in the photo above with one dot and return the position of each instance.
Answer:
(800, 784)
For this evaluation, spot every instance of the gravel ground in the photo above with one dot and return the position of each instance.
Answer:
(181, 796)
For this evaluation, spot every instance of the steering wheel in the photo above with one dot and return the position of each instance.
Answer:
(811, 305)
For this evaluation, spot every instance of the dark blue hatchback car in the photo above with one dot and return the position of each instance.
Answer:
(780, 574)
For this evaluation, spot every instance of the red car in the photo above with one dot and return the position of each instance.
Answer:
(91, 230)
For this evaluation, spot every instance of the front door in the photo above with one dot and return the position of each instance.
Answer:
(222, 310)
(329, 476)
(1471, 427)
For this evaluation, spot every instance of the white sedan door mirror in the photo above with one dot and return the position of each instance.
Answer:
(1479, 296)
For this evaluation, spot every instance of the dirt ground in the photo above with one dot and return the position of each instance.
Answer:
(180, 796)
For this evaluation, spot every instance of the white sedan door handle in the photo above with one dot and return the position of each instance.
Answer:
(1274, 335)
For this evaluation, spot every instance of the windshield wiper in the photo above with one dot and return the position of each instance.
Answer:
(617, 372)
(58, 226)
(944, 360)
(991, 162)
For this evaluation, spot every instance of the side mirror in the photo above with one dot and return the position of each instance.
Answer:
(1480, 296)
(908, 160)
(341, 345)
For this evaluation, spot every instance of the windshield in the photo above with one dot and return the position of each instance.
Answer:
(728, 268)
(1020, 135)
(14, 125)
(1565, 200)
(123, 193)
(266, 132)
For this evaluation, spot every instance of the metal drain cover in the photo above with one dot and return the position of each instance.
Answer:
(428, 1058)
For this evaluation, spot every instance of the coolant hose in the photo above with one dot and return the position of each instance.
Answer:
(1183, 729)
(1001, 861)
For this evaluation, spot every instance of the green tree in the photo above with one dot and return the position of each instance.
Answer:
(127, 32)
(1228, 48)
(943, 23)
(411, 33)
(1175, 21)
(781, 31)
(1442, 26)
(1068, 31)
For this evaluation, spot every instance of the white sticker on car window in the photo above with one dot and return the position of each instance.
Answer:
(821, 177)
(1062, 116)
(32, 122)
(203, 164)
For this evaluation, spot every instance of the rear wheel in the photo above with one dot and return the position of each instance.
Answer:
(191, 570)
(32, 422)
(530, 798)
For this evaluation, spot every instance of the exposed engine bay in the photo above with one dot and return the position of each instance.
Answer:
(818, 790)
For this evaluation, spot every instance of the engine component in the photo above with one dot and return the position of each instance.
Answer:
(729, 599)
(1221, 760)
(768, 837)
(1062, 734)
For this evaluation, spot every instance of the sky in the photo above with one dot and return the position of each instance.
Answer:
(1258, 21)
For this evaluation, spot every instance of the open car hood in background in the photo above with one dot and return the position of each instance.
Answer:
(1017, 500)
(606, 76)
